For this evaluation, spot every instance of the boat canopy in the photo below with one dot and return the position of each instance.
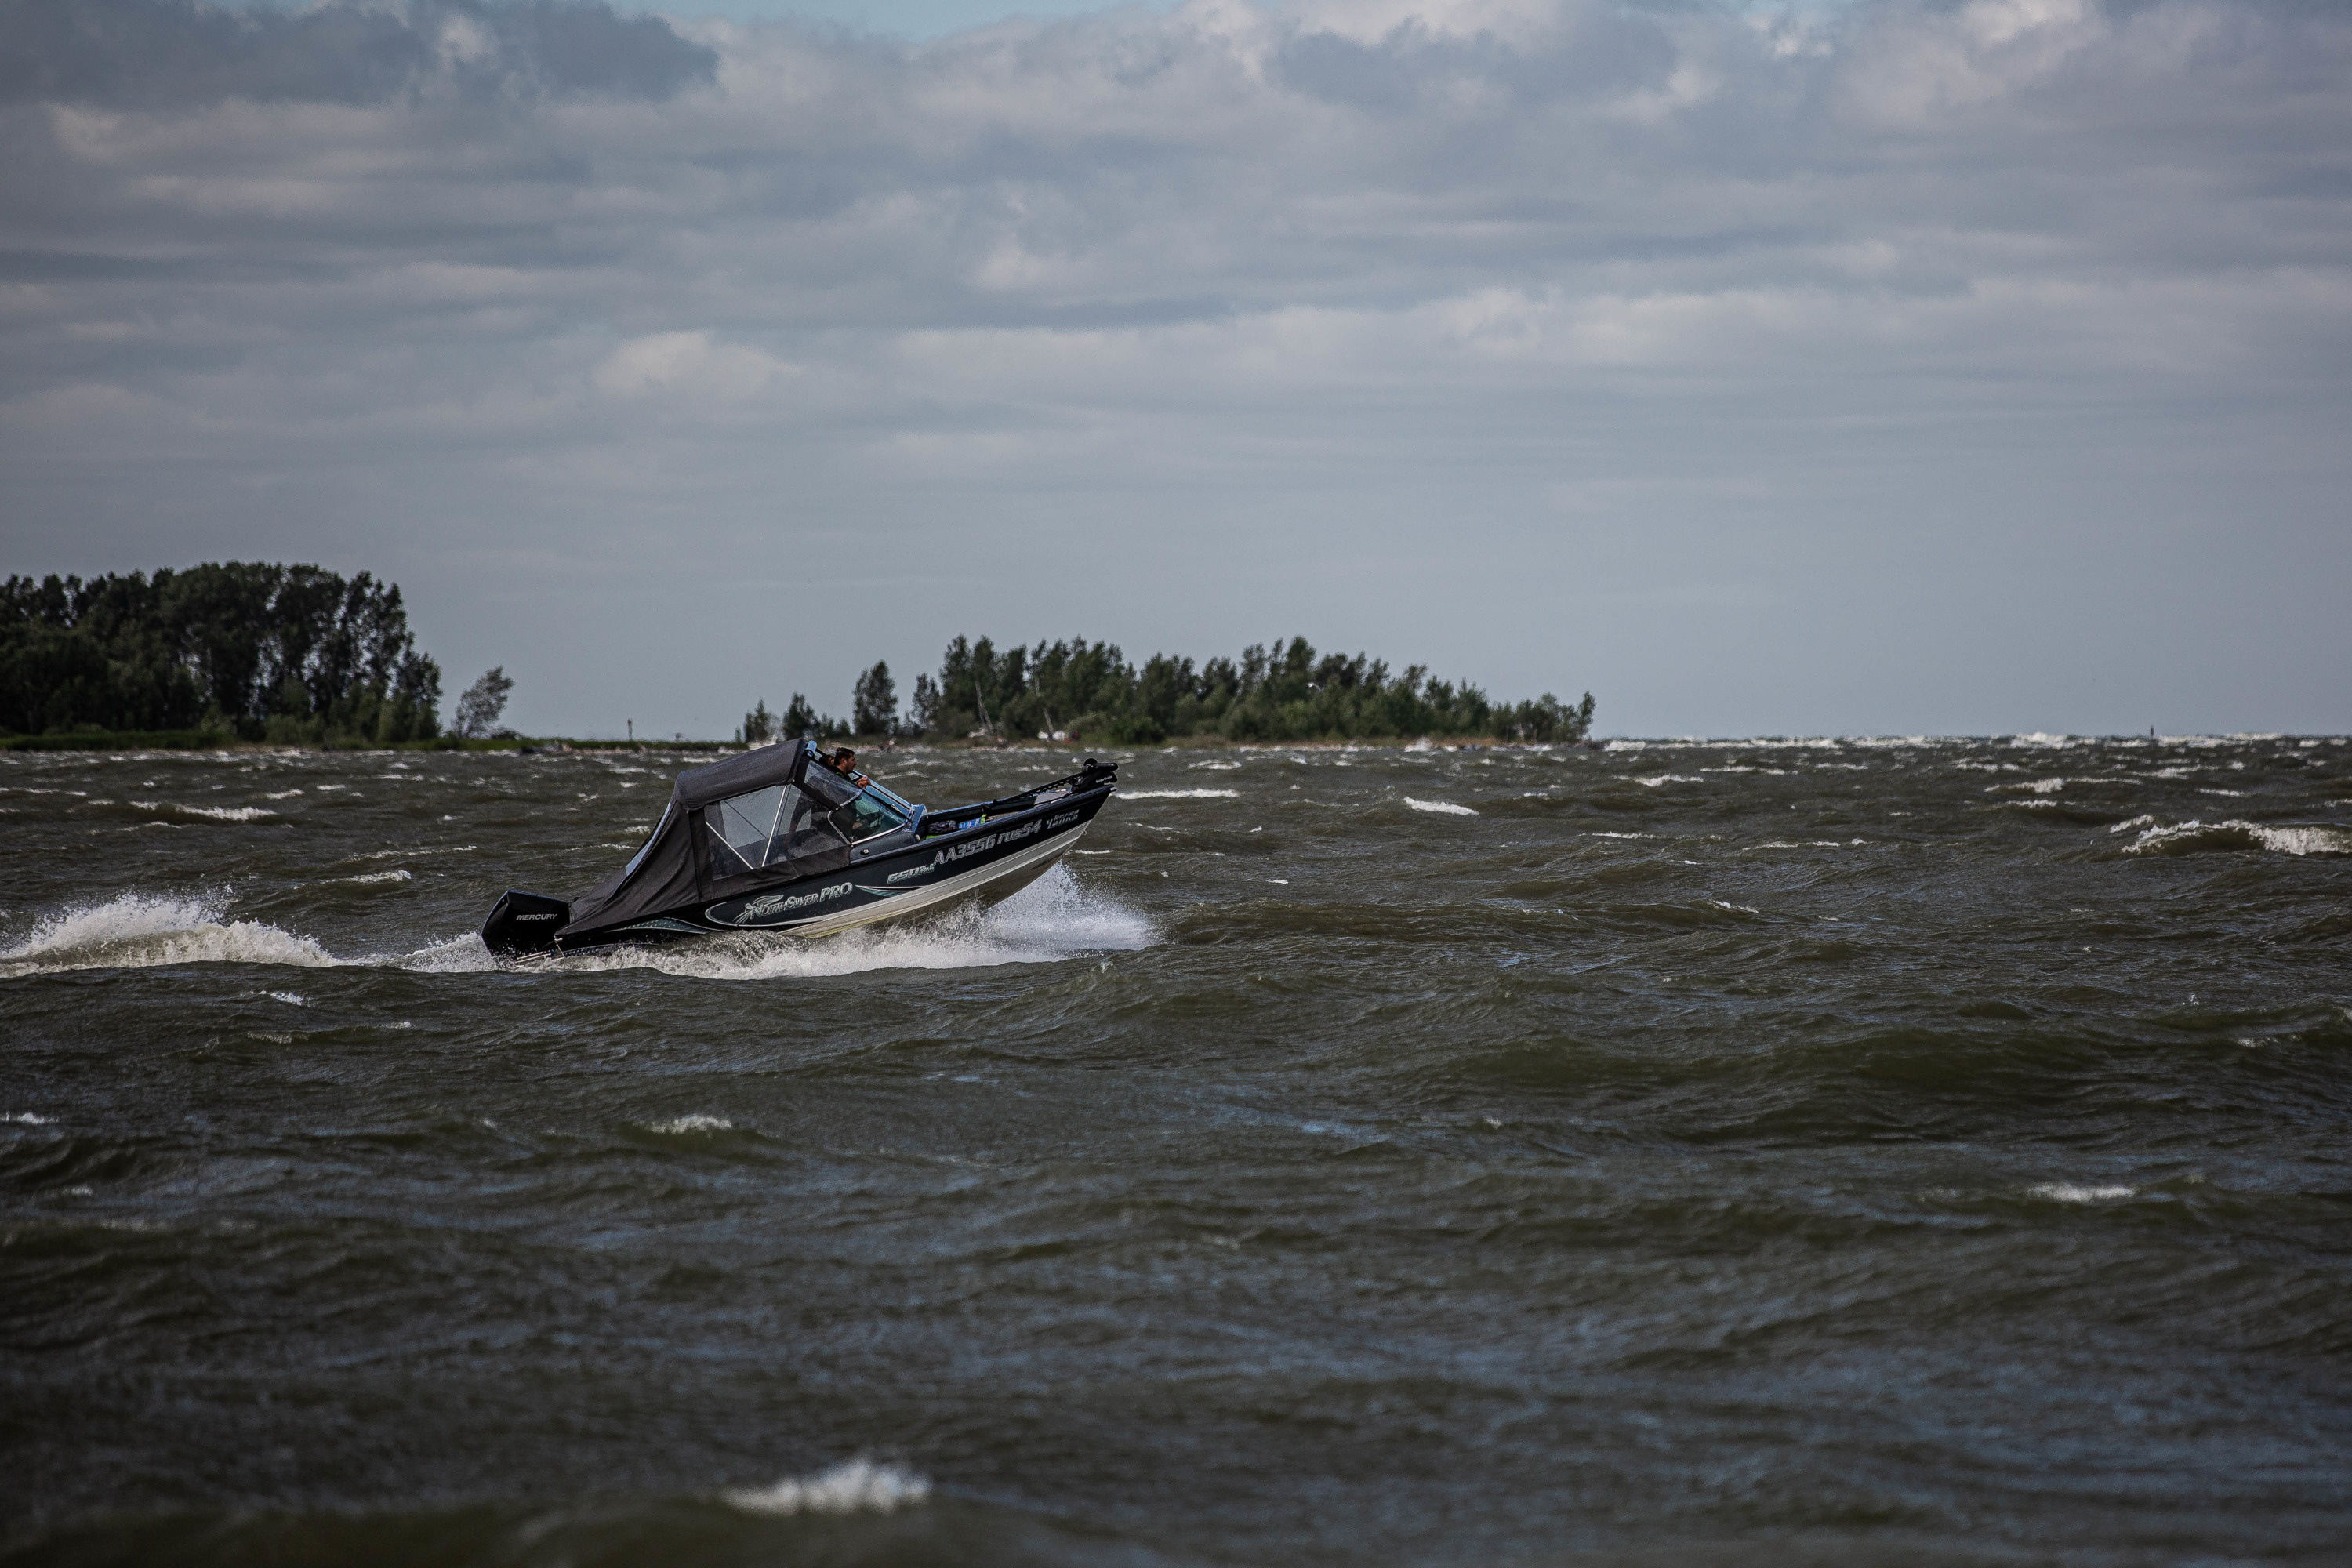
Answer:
(771, 814)
(755, 769)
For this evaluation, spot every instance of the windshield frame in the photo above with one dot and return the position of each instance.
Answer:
(909, 815)
(652, 838)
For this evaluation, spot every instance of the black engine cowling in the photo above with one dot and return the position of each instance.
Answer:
(523, 923)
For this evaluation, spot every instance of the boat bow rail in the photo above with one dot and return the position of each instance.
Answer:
(1092, 774)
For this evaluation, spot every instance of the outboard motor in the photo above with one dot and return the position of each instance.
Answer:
(522, 923)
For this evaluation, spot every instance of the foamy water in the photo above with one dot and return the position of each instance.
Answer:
(1443, 808)
(858, 1487)
(1050, 919)
(682, 1125)
(139, 931)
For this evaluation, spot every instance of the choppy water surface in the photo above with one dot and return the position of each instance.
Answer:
(1840, 1151)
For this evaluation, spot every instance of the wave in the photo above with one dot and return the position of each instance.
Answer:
(1180, 794)
(2197, 838)
(2068, 1193)
(142, 930)
(678, 1125)
(858, 1487)
(1444, 806)
(209, 813)
(2055, 786)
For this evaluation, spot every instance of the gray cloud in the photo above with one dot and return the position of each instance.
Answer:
(1912, 367)
(151, 54)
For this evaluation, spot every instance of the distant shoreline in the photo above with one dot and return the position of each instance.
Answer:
(214, 741)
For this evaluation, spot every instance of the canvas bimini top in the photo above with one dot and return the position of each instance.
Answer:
(766, 817)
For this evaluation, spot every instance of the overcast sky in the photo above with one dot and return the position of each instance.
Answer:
(1887, 367)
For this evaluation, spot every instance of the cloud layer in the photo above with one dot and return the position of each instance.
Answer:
(1913, 367)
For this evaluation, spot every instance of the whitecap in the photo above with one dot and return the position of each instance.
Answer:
(2188, 838)
(1446, 807)
(374, 879)
(1180, 794)
(214, 812)
(28, 1119)
(679, 1124)
(1656, 779)
(397, 854)
(2068, 1193)
(860, 1485)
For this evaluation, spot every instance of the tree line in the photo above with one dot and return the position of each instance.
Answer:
(1083, 690)
(293, 655)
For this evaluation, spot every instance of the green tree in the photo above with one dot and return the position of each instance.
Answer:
(873, 703)
(484, 701)
(295, 651)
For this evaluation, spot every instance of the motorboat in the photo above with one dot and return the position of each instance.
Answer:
(788, 838)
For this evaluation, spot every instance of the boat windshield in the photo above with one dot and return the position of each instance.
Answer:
(862, 813)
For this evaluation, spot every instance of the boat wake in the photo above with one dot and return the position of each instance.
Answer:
(144, 930)
(1051, 920)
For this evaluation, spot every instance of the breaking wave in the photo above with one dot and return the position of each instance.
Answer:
(680, 1125)
(1446, 807)
(2069, 1192)
(208, 813)
(141, 931)
(860, 1485)
(1179, 794)
(2197, 838)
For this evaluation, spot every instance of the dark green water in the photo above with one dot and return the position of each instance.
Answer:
(1841, 1153)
